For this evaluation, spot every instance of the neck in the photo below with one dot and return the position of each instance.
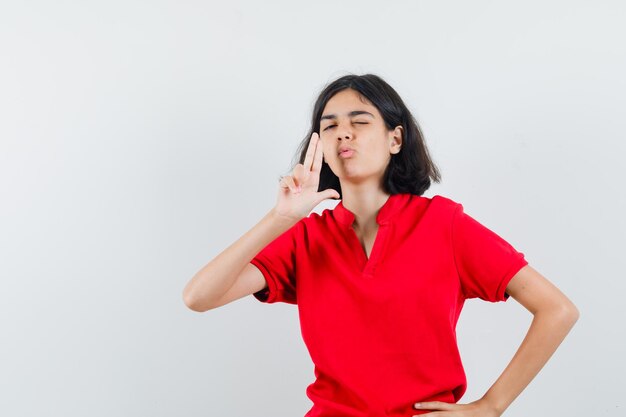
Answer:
(364, 204)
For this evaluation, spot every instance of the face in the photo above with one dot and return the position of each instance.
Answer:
(352, 122)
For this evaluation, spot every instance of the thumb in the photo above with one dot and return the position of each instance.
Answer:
(328, 193)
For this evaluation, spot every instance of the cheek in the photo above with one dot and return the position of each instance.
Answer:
(325, 147)
(379, 155)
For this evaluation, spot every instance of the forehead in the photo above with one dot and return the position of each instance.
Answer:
(347, 101)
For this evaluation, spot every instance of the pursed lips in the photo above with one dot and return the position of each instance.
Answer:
(344, 149)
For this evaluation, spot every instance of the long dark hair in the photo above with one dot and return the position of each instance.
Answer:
(410, 170)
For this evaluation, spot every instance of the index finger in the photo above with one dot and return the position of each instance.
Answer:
(317, 162)
(310, 152)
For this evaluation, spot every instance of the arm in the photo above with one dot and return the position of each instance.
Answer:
(554, 316)
(209, 285)
(297, 196)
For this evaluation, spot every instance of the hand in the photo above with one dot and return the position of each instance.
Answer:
(298, 192)
(478, 408)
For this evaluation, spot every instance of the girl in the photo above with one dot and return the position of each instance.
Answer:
(380, 280)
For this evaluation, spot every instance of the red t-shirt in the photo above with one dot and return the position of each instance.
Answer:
(381, 331)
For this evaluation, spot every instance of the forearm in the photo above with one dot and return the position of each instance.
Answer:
(219, 275)
(545, 334)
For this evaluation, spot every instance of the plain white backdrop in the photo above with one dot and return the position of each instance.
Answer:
(138, 139)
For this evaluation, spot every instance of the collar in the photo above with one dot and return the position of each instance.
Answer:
(393, 205)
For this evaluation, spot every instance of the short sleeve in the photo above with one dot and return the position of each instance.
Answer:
(485, 262)
(277, 262)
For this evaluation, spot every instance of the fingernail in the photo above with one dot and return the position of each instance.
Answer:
(418, 405)
(299, 188)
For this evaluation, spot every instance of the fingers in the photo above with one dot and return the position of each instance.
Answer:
(317, 161)
(300, 175)
(437, 405)
(287, 183)
(312, 162)
(310, 152)
(294, 181)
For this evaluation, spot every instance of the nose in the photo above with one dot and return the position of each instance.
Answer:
(344, 132)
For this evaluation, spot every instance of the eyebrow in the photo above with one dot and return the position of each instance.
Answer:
(352, 113)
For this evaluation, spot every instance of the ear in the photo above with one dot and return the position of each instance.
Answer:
(396, 139)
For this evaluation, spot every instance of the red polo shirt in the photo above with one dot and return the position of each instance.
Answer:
(381, 331)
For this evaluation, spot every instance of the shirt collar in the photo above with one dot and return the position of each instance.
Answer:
(393, 205)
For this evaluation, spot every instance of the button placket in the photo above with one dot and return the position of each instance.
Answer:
(367, 265)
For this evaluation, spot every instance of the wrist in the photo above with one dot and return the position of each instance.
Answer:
(492, 405)
(281, 219)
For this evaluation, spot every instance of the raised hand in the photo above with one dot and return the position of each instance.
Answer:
(298, 193)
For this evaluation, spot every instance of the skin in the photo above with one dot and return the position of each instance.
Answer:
(361, 174)
(361, 183)
(554, 316)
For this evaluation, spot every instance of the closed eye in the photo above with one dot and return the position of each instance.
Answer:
(359, 123)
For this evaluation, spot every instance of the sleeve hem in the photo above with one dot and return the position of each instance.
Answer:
(501, 295)
(266, 295)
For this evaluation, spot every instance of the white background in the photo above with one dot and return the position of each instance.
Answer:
(138, 139)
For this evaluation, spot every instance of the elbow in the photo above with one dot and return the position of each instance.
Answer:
(193, 303)
(574, 313)
(569, 313)
(565, 313)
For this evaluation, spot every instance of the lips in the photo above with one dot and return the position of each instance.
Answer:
(344, 149)
(346, 154)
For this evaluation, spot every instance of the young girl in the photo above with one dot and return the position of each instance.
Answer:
(381, 279)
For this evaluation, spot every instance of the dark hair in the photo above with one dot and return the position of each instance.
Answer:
(410, 170)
